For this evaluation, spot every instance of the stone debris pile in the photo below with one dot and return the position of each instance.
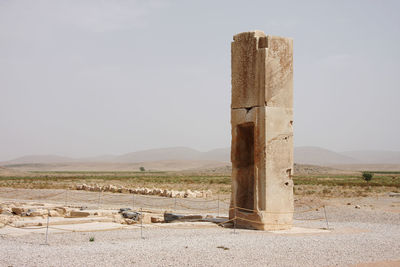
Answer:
(146, 191)
(22, 215)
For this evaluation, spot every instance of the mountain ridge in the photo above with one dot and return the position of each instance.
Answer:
(302, 155)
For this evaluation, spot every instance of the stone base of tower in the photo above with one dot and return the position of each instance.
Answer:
(262, 220)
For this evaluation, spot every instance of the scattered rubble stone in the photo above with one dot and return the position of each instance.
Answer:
(147, 191)
(61, 210)
(123, 209)
(170, 217)
(35, 212)
(54, 213)
(131, 215)
(157, 219)
(130, 221)
(17, 210)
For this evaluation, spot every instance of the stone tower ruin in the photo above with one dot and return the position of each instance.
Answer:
(262, 131)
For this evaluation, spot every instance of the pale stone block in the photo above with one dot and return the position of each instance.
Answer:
(262, 131)
(78, 214)
(262, 70)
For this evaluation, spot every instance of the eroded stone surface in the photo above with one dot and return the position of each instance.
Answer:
(262, 70)
(262, 131)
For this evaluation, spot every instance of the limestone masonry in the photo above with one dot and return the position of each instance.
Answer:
(262, 131)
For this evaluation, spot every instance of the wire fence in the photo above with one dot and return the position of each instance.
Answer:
(218, 207)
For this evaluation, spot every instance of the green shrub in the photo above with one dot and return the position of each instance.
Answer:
(367, 176)
(142, 169)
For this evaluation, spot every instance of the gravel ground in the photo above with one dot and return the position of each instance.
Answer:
(368, 234)
(199, 247)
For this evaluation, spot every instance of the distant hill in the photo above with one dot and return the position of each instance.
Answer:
(40, 159)
(320, 156)
(172, 153)
(375, 156)
(220, 154)
(183, 154)
(302, 155)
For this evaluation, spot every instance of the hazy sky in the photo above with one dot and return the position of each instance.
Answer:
(83, 78)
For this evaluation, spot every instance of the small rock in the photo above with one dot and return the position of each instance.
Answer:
(61, 210)
(348, 203)
(198, 194)
(157, 219)
(123, 209)
(357, 207)
(130, 221)
(170, 217)
(146, 218)
(131, 215)
(17, 210)
(78, 214)
(190, 194)
(54, 213)
(33, 213)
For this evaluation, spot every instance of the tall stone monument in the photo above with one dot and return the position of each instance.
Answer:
(262, 131)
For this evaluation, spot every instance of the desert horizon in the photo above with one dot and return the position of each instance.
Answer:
(199, 133)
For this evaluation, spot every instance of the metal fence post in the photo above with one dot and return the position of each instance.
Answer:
(141, 223)
(47, 227)
(326, 219)
(98, 203)
(218, 205)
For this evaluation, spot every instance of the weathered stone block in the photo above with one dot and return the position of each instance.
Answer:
(262, 70)
(262, 131)
(18, 210)
(78, 214)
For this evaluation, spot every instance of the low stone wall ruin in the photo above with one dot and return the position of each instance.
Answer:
(146, 191)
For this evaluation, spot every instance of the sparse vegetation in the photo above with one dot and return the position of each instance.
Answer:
(142, 169)
(326, 191)
(324, 185)
(91, 239)
(367, 176)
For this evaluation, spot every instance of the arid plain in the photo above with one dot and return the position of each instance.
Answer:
(336, 212)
